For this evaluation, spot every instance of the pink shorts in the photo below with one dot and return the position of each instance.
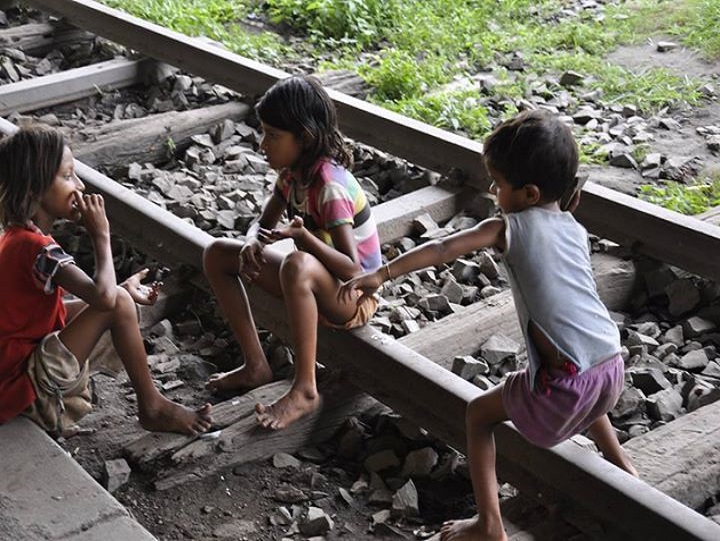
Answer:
(566, 404)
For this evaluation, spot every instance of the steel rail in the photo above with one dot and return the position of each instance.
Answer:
(648, 229)
(424, 392)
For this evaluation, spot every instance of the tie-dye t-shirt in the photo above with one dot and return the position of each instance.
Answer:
(335, 198)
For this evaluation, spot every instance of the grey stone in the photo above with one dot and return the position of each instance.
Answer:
(424, 223)
(693, 360)
(285, 460)
(649, 379)
(452, 291)
(382, 460)
(571, 78)
(317, 522)
(235, 529)
(499, 347)
(419, 463)
(664, 405)
(630, 401)
(695, 326)
(674, 335)
(467, 367)
(405, 501)
(115, 474)
(683, 296)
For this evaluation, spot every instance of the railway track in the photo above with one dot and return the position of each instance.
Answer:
(401, 377)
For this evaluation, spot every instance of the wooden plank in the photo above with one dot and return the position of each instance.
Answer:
(711, 216)
(424, 392)
(651, 230)
(682, 458)
(464, 332)
(620, 218)
(38, 39)
(116, 144)
(246, 441)
(70, 85)
(394, 217)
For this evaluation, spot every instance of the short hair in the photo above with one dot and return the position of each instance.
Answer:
(29, 162)
(535, 147)
(301, 106)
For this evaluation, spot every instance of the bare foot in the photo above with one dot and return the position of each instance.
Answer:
(290, 407)
(243, 378)
(168, 416)
(470, 529)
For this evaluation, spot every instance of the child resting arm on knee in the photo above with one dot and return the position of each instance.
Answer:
(332, 228)
(44, 341)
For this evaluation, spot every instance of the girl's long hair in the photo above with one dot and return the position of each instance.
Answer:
(29, 162)
(301, 106)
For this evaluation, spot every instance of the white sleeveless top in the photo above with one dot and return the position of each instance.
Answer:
(548, 259)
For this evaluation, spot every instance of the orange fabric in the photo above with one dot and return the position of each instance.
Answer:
(367, 306)
(27, 314)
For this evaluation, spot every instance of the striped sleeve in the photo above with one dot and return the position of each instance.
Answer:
(335, 206)
(50, 259)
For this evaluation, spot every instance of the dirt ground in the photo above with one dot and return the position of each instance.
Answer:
(239, 503)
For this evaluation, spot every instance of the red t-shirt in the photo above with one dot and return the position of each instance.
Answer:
(31, 307)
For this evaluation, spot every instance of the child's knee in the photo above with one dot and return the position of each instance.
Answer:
(211, 256)
(124, 303)
(294, 267)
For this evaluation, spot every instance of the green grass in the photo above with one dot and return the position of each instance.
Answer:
(409, 50)
(215, 19)
(690, 199)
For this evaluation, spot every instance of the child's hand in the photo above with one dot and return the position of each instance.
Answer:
(574, 202)
(292, 231)
(252, 258)
(140, 293)
(366, 283)
(92, 213)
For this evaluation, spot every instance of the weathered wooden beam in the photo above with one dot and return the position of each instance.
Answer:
(465, 331)
(71, 85)
(682, 457)
(652, 231)
(683, 241)
(39, 38)
(146, 139)
(241, 439)
(394, 218)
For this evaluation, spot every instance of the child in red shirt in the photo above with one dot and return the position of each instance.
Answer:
(43, 339)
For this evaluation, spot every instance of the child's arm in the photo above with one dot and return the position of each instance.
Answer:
(251, 255)
(490, 232)
(101, 292)
(340, 259)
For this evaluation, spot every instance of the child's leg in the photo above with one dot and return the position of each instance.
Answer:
(602, 432)
(156, 412)
(307, 287)
(221, 262)
(483, 413)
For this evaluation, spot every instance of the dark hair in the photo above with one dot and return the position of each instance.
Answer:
(301, 106)
(537, 148)
(29, 162)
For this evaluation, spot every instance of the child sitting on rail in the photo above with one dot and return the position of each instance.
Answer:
(575, 372)
(333, 230)
(45, 340)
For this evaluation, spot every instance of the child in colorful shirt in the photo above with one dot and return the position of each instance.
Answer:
(332, 226)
